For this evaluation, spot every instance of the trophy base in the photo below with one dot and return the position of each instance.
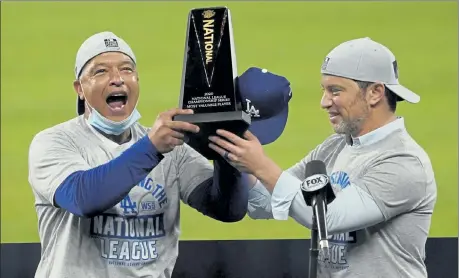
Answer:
(236, 122)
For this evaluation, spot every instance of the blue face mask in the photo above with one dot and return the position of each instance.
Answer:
(108, 126)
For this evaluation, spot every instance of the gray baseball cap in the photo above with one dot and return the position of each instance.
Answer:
(366, 60)
(97, 44)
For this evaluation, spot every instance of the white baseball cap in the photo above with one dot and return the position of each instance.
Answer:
(94, 45)
(366, 60)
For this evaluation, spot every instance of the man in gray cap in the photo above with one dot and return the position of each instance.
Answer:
(108, 190)
(383, 180)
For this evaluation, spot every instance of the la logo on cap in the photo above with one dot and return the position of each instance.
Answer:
(251, 110)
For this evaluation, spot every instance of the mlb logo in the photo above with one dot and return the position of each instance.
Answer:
(111, 43)
(325, 63)
(395, 66)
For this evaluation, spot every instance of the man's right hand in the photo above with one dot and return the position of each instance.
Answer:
(166, 133)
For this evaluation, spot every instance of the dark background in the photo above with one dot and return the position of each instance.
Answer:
(238, 259)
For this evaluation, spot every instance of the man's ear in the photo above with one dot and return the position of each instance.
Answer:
(78, 89)
(375, 93)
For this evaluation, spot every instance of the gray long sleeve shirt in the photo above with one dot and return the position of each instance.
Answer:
(385, 195)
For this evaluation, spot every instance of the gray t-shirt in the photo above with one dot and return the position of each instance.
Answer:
(136, 238)
(386, 166)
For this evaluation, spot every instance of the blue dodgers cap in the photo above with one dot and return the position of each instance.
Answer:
(265, 97)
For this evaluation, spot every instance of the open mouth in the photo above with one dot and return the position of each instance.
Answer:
(332, 115)
(117, 100)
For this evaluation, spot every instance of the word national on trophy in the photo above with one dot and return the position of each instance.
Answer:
(209, 79)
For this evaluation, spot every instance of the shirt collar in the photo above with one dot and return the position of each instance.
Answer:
(379, 134)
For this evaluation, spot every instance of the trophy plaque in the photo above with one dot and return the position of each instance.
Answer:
(209, 79)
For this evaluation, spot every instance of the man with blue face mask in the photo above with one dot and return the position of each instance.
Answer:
(108, 190)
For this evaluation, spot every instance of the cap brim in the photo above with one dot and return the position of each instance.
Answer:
(404, 93)
(268, 130)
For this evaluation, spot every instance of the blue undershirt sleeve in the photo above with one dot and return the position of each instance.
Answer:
(92, 191)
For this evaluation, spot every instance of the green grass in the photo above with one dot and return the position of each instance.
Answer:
(40, 40)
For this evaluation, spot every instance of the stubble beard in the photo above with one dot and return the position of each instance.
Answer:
(353, 126)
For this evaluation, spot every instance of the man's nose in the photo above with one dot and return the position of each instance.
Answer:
(326, 101)
(116, 79)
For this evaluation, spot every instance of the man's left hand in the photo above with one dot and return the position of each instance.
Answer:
(245, 154)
